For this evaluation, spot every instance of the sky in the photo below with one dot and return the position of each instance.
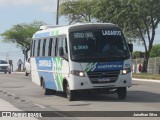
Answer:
(26, 11)
(23, 11)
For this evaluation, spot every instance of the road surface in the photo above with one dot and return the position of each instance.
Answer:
(19, 90)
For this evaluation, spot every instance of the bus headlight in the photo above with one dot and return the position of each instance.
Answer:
(126, 71)
(78, 73)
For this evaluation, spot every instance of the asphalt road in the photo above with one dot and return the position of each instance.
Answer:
(25, 95)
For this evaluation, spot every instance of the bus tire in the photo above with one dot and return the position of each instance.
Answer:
(52, 92)
(26, 74)
(122, 92)
(69, 93)
(45, 90)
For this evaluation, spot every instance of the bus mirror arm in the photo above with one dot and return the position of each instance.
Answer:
(130, 47)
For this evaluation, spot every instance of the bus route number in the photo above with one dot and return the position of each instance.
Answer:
(83, 35)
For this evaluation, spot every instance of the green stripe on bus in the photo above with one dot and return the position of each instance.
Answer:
(54, 33)
(89, 67)
(58, 74)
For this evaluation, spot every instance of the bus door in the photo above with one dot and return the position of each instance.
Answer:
(61, 62)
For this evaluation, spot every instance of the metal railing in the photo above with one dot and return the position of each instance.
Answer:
(153, 65)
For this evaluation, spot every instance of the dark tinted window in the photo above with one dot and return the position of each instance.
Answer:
(50, 47)
(97, 44)
(53, 50)
(3, 62)
(44, 45)
(33, 49)
(38, 49)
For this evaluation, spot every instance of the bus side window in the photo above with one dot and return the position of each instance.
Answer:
(38, 48)
(59, 45)
(31, 51)
(65, 46)
(33, 48)
(41, 48)
(44, 45)
(56, 47)
(53, 50)
(47, 47)
(50, 47)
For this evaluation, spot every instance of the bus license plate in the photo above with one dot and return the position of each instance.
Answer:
(103, 80)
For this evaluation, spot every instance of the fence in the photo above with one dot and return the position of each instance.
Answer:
(153, 65)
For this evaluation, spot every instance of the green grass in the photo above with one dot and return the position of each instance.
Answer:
(146, 76)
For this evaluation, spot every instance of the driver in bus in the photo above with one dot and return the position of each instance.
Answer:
(112, 47)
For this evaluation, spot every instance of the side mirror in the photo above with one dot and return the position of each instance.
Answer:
(61, 51)
(10, 62)
(130, 47)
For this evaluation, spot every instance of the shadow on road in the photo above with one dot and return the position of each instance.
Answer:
(142, 96)
(132, 96)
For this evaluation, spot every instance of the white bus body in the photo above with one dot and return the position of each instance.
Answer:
(71, 59)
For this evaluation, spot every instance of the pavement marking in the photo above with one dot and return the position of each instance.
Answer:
(146, 80)
(16, 98)
(41, 106)
(9, 94)
(22, 100)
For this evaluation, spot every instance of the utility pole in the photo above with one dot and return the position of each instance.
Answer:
(7, 57)
(57, 17)
(24, 52)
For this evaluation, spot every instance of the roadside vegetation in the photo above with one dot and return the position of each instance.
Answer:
(21, 34)
(137, 18)
(146, 76)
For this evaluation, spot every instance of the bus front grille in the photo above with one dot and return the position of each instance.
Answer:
(103, 77)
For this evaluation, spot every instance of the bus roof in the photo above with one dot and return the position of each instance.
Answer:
(53, 31)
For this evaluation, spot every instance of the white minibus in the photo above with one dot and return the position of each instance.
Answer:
(84, 57)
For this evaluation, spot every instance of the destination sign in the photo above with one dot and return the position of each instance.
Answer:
(82, 35)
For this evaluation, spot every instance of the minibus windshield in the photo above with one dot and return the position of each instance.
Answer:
(98, 45)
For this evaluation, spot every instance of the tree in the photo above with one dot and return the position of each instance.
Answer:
(21, 34)
(77, 10)
(155, 52)
(137, 18)
(137, 54)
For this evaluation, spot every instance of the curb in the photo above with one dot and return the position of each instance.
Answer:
(146, 80)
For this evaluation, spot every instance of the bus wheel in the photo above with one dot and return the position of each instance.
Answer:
(45, 90)
(26, 74)
(122, 91)
(69, 93)
(52, 92)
